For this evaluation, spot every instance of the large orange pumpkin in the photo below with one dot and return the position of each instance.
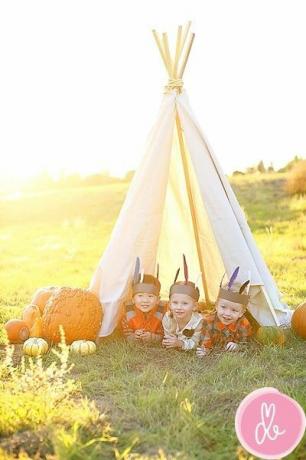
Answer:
(42, 296)
(17, 330)
(298, 320)
(78, 311)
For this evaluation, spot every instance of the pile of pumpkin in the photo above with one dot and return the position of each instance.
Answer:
(77, 311)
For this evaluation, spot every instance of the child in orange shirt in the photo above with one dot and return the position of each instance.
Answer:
(142, 320)
(227, 327)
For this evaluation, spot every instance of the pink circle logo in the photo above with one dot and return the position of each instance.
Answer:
(269, 424)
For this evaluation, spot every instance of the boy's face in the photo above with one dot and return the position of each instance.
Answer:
(145, 302)
(229, 312)
(182, 306)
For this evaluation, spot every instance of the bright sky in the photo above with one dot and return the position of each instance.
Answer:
(81, 81)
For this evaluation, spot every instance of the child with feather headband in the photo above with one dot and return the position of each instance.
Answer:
(142, 320)
(227, 327)
(182, 324)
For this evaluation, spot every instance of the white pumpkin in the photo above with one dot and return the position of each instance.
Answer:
(35, 347)
(83, 347)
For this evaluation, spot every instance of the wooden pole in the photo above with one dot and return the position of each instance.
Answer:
(192, 207)
(177, 51)
(187, 27)
(270, 305)
(167, 53)
(188, 49)
(162, 53)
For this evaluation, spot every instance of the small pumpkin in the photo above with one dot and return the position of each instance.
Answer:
(17, 330)
(271, 335)
(83, 347)
(298, 320)
(35, 347)
(41, 297)
(31, 315)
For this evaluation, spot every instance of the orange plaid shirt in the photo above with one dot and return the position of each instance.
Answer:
(215, 333)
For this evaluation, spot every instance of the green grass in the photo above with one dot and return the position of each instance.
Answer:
(159, 404)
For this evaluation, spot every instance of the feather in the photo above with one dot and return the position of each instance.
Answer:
(157, 271)
(232, 278)
(243, 286)
(249, 276)
(136, 271)
(176, 275)
(220, 285)
(185, 269)
(141, 275)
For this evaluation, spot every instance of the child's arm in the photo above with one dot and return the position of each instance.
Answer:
(151, 337)
(192, 342)
(205, 339)
(128, 333)
(244, 333)
(170, 340)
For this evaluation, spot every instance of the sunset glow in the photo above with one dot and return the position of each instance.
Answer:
(82, 85)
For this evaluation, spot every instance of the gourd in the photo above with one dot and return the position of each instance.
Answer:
(17, 330)
(83, 347)
(298, 320)
(270, 335)
(35, 347)
(78, 311)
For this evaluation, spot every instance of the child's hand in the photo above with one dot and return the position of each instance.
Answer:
(231, 346)
(201, 351)
(146, 336)
(171, 341)
(138, 334)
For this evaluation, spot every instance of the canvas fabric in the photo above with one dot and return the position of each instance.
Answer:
(155, 224)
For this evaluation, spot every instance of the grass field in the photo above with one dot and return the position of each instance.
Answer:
(157, 404)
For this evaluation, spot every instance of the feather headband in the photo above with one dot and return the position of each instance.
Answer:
(143, 282)
(184, 287)
(233, 296)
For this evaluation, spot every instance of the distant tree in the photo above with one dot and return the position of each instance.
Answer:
(261, 167)
(93, 179)
(251, 170)
(291, 164)
(73, 180)
(270, 168)
(238, 173)
(42, 181)
(296, 181)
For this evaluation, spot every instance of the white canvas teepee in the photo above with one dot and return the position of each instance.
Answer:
(180, 202)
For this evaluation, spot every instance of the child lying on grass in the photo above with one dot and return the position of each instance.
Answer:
(227, 327)
(142, 319)
(182, 324)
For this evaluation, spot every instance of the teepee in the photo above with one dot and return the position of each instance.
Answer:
(179, 202)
